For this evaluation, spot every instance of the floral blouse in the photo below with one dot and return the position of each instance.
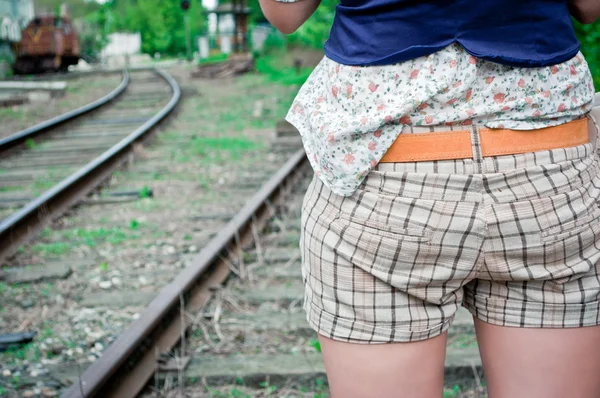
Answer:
(349, 116)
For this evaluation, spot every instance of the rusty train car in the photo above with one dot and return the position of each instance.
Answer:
(48, 44)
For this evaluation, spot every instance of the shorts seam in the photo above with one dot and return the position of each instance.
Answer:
(400, 336)
(483, 313)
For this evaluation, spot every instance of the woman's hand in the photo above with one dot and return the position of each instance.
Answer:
(287, 17)
(585, 11)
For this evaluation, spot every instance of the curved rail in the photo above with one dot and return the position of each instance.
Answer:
(32, 217)
(128, 363)
(23, 135)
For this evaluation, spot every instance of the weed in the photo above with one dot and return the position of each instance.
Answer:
(463, 341)
(11, 189)
(452, 393)
(3, 287)
(314, 343)
(269, 389)
(55, 248)
(46, 332)
(204, 181)
(271, 67)
(30, 143)
(134, 224)
(16, 380)
(218, 149)
(145, 192)
(42, 185)
(146, 205)
(47, 290)
(198, 333)
(214, 59)
(234, 392)
(37, 353)
(321, 390)
(93, 237)
(103, 267)
(187, 237)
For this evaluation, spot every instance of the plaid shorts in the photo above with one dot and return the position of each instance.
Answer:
(515, 239)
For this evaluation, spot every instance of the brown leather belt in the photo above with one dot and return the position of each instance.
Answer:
(457, 144)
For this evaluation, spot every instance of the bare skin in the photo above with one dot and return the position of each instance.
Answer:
(540, 363)
(532, 363)
(414, 370)
(287, 17)
(518, 362)
(585, 11)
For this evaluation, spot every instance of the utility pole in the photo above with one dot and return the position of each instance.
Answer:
(185, 5)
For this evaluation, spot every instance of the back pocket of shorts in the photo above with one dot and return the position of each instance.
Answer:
(568, 229)
(389, 231)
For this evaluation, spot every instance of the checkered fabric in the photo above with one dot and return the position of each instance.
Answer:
(515, 239)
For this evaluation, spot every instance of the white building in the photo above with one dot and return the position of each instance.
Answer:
(14, 16)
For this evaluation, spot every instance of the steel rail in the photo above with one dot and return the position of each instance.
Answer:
(129, 362)
(32, 217)
(30, 132)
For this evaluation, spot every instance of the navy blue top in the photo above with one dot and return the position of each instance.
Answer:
(526, 33)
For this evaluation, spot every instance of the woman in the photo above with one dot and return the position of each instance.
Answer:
(453, 166)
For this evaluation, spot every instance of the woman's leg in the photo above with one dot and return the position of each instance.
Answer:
(540, 363)
(414, 370)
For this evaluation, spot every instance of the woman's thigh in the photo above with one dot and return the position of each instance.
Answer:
(414, 370)
(540, 363)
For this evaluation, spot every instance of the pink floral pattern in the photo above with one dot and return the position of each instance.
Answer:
(349, 116)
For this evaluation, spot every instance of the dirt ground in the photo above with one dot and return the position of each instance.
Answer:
(80, 91)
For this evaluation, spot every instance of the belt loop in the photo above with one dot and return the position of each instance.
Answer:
(593, 126)
(476, 148)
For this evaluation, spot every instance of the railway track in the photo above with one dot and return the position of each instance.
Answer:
(48, 168)
(225, 322)
(232, 320)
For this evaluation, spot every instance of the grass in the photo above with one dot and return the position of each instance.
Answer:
(30, 143)
(317, 390)
(42, 185)
(93, 237)
(216, 150)
(314, 343)
(453, 392)
(230, 108)
(30, 352)
(214, 59)
(51, 249)
(15, 188)
(10, 113)
(103, 266)
(145, 192)
(67, 240)
(273, 68)
(465, 340)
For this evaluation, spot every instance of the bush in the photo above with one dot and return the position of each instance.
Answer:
(589, 36)
(276, 67)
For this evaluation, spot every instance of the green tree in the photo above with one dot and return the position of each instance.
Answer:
(315, 31)
(160, 23)
(589, 36)
(78, 8)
